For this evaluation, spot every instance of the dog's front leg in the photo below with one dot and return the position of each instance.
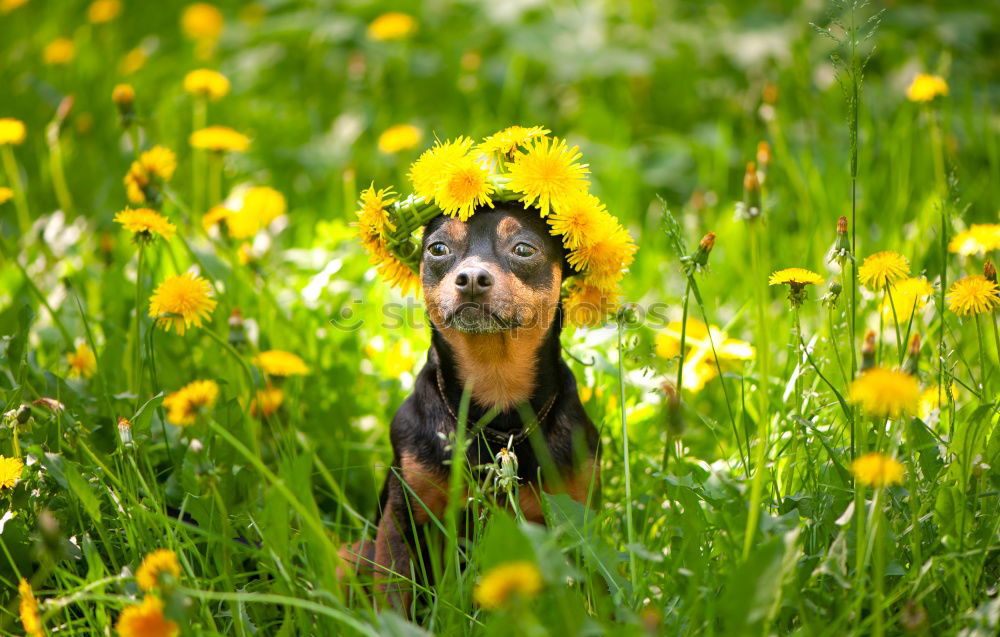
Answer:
(416, 493)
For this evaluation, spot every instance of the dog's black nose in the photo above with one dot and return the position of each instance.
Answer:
(472, 282)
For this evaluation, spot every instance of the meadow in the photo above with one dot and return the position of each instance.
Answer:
(795, 392)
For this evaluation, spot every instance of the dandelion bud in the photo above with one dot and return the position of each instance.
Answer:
(912, 365)
(697, 261)
(125, 431)
(627, 314)
(23, 414)
(832, 295)
(990, 271)
(123, 96)
(868, 351)
(237, 331)
(750, 182)
(674, 415)
(770, 93)
(841, 251)
(763, 154)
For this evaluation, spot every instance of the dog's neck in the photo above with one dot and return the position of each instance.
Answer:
(504, 369)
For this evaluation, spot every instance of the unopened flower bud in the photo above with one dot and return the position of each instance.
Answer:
(763, 154)
(23, 414)
(125, 431)
(841, 251)
(237, 332)
(912, 365)
(914, 617)
(770, 93)
(672, 403)
(832, 295)
(123, 95)
(697, 261)
(990, 271)
(627, 314)
(868, 351)
(750, 182)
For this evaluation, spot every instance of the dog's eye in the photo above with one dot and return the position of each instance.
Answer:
(524, 250)
(438, 249)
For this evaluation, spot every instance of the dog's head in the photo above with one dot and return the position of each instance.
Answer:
(499, 271)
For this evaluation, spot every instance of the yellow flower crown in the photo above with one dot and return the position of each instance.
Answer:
(516, 164)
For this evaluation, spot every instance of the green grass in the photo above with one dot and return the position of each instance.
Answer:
(743, 518)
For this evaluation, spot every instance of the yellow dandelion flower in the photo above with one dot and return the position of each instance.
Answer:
(6, 194)
(214, 216)
(935, 397)
(973, 295)
(133, 61)
(82, 362)
(395, 272)
(278, 363)
(184, 405)
(699, 362)
(426, 174)
(144, 223)
(123, 95)
(926, 87)
(31, 619)
(583, 217)
(6, 6)
(498, 586)
(59, 51)
(908, 295)
(373, 218)
(885, 393)
(101, 11)
(206, 83)
(506, 142)
(547, 175)
(795, 276)
(877, 470)
(219, 139)
(979, 239)
(146, 620)
(391, 26)
(267, 402)
(154, 167)
(588, 305)
(202, 21)
(264, 203)
(12, 131)
(604, 255)
(182, 301)
(155, 565)
(882, 268)
(399, 137)
(10, 471)
(465, 185)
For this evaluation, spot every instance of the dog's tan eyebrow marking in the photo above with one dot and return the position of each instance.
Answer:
(456, 230)
(508, 226)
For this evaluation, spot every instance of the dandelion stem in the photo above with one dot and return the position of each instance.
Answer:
(983, 375)
(763, 383)
(14, 178)
(199, 117)
(878, 564)
(680, 368)
(137, 345)
(630, 529)
(895, 322)
(56, 166)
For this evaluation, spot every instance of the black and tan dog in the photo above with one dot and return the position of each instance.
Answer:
(491, 288)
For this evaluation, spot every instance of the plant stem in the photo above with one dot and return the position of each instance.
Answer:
(199, 117)
(983, 375)
(630, 529)
(680, 368)
(137, 353)
(878, 563)
(895, 322)
(763, 384)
